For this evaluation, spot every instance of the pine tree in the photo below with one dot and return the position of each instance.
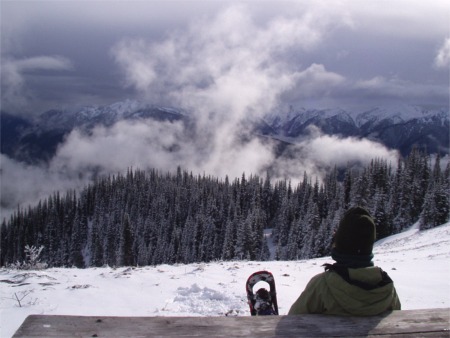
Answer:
(348, 187)
(436, 209)
(78, 239)
(244, 236)
(152, 217)
(229, 241)
(380, 214)
(126, 255)
(311, 223)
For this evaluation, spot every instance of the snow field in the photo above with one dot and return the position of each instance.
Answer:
(418, 262)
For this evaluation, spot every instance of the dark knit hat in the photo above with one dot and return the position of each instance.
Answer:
(356, 233)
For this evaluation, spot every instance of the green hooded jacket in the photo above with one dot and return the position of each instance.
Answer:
(329, 293)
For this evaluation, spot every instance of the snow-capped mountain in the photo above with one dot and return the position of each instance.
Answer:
(37, 139)
(90, 116)
(400, 127)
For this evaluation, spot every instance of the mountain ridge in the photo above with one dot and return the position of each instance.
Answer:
(400, 127)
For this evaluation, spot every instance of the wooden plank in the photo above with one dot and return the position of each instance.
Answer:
(417, 323)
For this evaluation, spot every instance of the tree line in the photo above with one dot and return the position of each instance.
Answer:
(150, 217)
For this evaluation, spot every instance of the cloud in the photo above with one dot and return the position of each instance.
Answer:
(229, 64)
(168, 42)
(161, 145)
(166, 145)
(442, 59)
(143, 144)
(15, 71)
(225, 70)
(329, 149)
(228, 69)
(235, 64)
(413, 19)
(399, 90)
(319, 153)
(315, 82)
(22, 185)
(110, 150)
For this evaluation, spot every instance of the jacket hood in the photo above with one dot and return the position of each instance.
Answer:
(358, 301)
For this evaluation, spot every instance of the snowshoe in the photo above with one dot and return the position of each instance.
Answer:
(263, 302)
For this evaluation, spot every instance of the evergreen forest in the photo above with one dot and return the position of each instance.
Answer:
(149, 217)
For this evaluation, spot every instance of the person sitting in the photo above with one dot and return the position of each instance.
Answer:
(352, 286)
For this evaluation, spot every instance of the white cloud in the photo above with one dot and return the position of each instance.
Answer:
(223, 70)
(14, 71)
(317, 81)
(225, 64)
(442, 59)
(166, 145)
(125, 144)
(41, 62)
(161, 145)
(22, 185)
(329, 149)
(319, 153)
(226, 69)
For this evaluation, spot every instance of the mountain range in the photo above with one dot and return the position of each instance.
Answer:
(36, 139)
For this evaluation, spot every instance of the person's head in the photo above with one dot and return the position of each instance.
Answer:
(356, 233)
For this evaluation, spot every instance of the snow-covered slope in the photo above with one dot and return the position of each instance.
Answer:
(418, 262)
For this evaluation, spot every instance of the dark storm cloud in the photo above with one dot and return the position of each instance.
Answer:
(82, 33)
(358, 41)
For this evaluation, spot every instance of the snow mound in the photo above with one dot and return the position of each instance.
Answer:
(205, 301)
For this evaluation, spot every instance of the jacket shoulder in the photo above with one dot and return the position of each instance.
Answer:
(311, 299)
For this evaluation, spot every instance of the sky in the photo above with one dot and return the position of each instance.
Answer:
(59, 54)
(223, 62)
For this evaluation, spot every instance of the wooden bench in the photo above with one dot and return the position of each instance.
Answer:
(408, 323)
